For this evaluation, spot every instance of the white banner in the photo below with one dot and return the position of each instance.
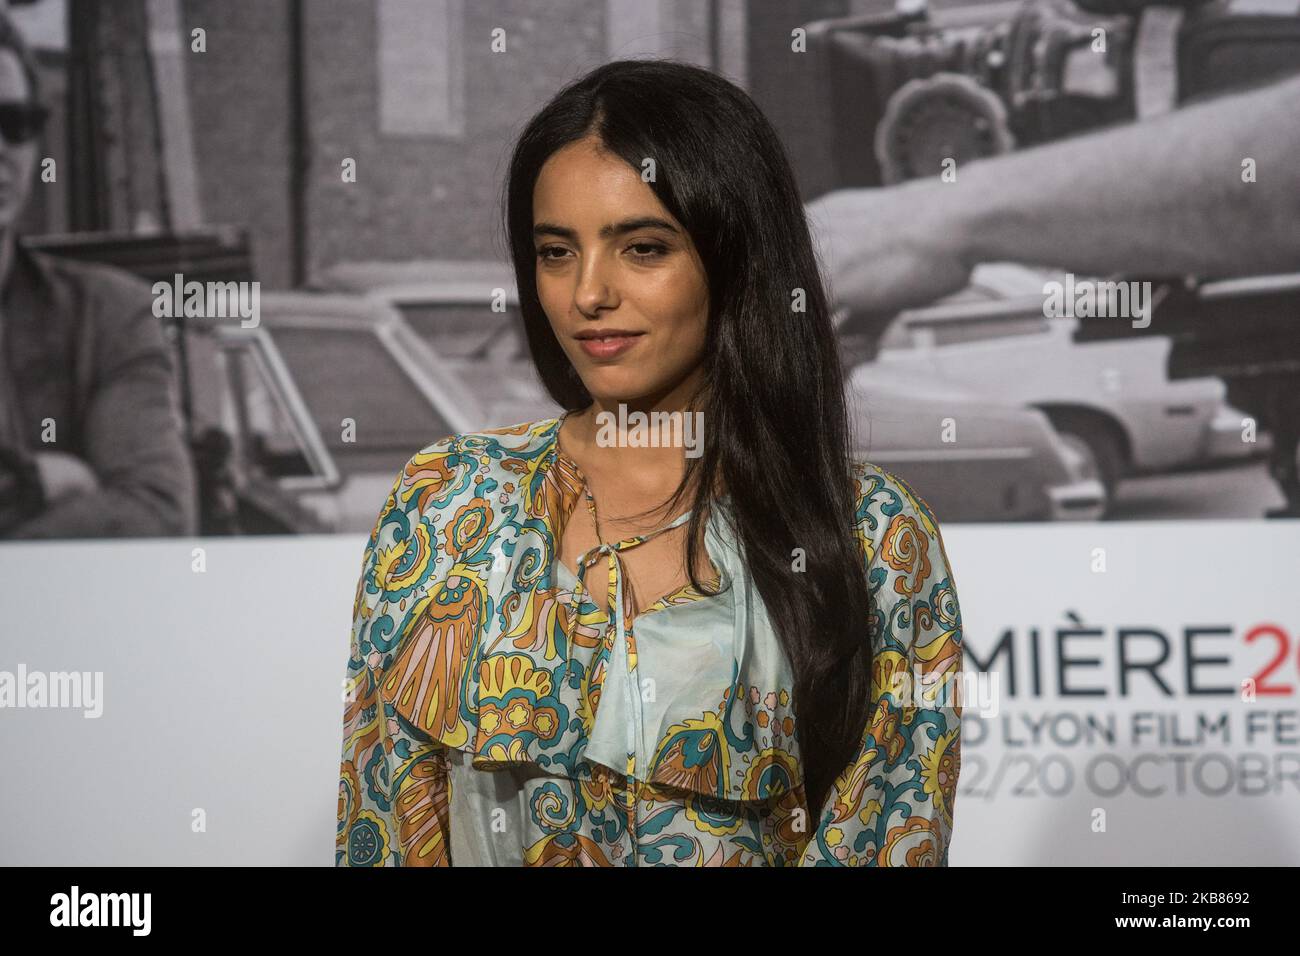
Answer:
(203, 724)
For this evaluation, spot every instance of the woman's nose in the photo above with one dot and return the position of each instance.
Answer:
(595, 288)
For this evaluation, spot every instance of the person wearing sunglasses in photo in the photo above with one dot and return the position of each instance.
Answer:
(91, 436)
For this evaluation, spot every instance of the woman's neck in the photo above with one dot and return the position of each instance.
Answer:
(653, 433)
(635, 455)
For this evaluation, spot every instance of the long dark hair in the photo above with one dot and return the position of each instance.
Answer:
(773, 398)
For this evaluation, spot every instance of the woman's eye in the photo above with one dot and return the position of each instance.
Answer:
(647, 250)
(545, 253)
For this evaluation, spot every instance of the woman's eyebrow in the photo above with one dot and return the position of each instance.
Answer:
(611, 229)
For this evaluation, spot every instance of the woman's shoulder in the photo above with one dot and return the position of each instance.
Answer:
(489, 444)
(881, 486)
(892, 519)
(492, 453)
(451, 473)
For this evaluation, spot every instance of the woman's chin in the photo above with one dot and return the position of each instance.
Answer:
(610, 390)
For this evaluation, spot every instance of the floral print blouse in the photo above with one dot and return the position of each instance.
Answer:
(497, 716)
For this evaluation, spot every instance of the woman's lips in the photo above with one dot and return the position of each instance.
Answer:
(609, 346)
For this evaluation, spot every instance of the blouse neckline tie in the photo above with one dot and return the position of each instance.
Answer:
(623, 644)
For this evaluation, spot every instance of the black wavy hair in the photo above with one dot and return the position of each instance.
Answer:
(773, 394)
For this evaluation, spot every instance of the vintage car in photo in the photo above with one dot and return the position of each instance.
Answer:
(1112, 400)
(331, 395)
(1007, 464)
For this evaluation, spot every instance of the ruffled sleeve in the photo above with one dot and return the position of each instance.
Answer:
(393, 790)
(893, 805)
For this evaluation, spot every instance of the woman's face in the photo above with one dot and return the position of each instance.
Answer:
(619, 279)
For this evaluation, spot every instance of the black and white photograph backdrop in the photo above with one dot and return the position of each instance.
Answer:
(253, 260)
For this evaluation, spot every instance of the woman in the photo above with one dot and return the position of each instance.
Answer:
(520, 692)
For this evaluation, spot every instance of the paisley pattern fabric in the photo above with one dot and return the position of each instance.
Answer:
(494, 715)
